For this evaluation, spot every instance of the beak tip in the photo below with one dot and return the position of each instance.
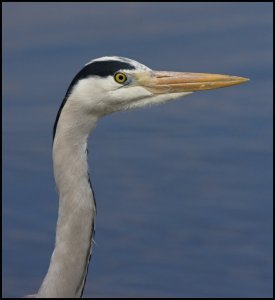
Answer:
(242, 79)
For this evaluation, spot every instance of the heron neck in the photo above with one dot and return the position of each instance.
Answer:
(76, 217)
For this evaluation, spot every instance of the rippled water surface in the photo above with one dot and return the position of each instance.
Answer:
(184, 190)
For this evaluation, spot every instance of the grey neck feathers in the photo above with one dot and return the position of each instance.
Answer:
(76, 217)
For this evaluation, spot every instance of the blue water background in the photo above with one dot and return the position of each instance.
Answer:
(184, 190)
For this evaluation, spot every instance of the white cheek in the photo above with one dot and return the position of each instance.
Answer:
(93, 90)
(97, 84)
(131, 93)
(156, 99)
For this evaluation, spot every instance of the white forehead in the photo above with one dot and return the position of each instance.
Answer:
(135, 63)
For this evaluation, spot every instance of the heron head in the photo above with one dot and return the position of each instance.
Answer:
(111, 83)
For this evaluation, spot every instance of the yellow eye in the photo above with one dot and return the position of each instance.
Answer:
(120, 77)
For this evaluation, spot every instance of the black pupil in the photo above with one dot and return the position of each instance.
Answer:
(121, 77)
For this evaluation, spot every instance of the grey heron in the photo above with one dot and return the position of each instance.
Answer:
(104, 85)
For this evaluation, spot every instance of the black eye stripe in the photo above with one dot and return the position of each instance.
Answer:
(97, 68)
(100, 68)
(104, 68)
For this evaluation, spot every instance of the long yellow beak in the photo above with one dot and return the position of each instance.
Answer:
(162, 82)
